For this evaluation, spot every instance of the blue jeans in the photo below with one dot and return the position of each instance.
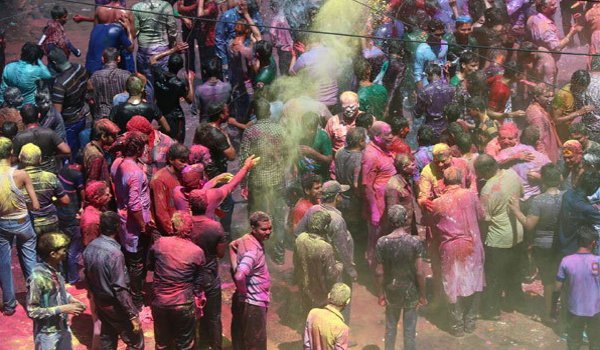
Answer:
(142, 60)
(73, 254)
(409, 324)
(72, 130)
(26, 240)
(60, 340)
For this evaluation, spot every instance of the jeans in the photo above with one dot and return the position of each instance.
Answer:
(248, 326)
(191, 36)
(210, 326)
(60, 340)
(575, 327)
(463, 314)
(502, 267)
(115, 324)
(74, 253)
(26, 240)
(72, 130)
(409, 324)
(285, 58)
(174, 325)
(136, 267)
(144, 67)
(176, 123)
(270, 200)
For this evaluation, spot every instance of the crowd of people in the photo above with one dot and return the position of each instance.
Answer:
(500, 184)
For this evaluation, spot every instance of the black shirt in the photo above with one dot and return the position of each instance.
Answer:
(46, 139)
(217, 142)
(122, 113)
(168, 88)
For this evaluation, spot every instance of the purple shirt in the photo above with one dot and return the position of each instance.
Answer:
(581, 272)
(322, 68)
(217, 92)
(522, 168)
(132, 194)
(252, 263)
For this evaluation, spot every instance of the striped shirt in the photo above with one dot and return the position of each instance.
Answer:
(107, 83)
(252, 263)
(69, 90)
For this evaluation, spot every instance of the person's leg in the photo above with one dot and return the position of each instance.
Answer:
(74, 253)
(512, 262)
(135, 267)
(189, 35)
(593, 332)
(6, 277)
(183, 325)
(109, 335)
(72, 130)
(64, 340)
(255, 327)
(575, 327)
(26, 243)
(162, 327)
(211, 320)
(237, 324)
(456, 319)
(46, 341)
(492, 291)
(469, 312)
(409, 323)
(392, 316)
(285, 58)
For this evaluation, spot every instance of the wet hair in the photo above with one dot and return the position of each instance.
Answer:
(134, 143)
(213, 68)
(530, 135)
(467, 57)
(551, 176)
(214, 110)
(110, 223)
(425, 136)
(31, 53)
(581, 78)
(512, 69)
(433, 69)
(175, 63)
(5, 147)
(586, 236)
(493, 17)
(104, 127)
(485, 165)
(178, 151)
(589, 182)
(110, 54)
(182, 224)
(355, 136)
(578, 128)
(319, 222)
(477, 83)
(9, 129)
(464, 142)
(134, 85)
(453, 112)
(263, 49)
(397, 215)
(308, 181)
(262, 108)
(258, 216)
(29, 114)
(364, 120)
(339, 295)
(362, 68)
(435, 25)
(477, 102)
(58, 11)
(51, 242)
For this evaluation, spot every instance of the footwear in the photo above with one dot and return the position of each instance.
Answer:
(458, 333)
(470, 329)
(9, 311)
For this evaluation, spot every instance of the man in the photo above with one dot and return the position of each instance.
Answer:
(460, 40)
(48, 302)
(578, 273)
(499, 104)
(49, 116)
(539, 64)
(338, 126)
(69, 96)
(400, 129)
(162, 185)
(311, 187)
(176, 263)
(377, 169)
(106, 82)
(213, 90)
(253, 283)
(508, 136)
(572, 153)
(456, 215)
(95, 164)
(108, 282)
(400, 275)
(24, 73)
(209, 235)
(503, 251)
(400, 190)
(156, 32)
(136, 105)
(169, 89)
(542, 31)
(570, 102)
(133, 204)
(432, 51)
(13, 101)
(97, 196)
(433, 98)
(325, 327)
(117, 35)
(14, 223)
(538, 115)
(212, 136)
(315, 267)
(47, 140)
(476, 108)
(314, 146)
(265, 184)
(579, 132)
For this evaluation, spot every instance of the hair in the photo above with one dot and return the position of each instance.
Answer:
(104, 127)
(453, 176)
(214, 110)
(349, 95)
(182, 224)
(529, 46)
(477, 102)
(175, 63)
(30, 155)
(94, 190)
(262, 108)
(110, 223)
(310, 120)
(377, 128)
(339, 295)
(134, 85)
(578, 128)
(263, 49)
(319, 222)
(589, 182)
(485, 165)
(580, 78)
(355, 136)
(178, 151)
(29, 114)
(467, 57)
(586, 236)
(42, 95)
(425, 136)
(530, 135)
(5, 147)
(397, 215)
(110, 54)
(512, 69)
(494, 16)
(258, 216)
(13, 97)
(435, 25)
(364, 120)
(401, 159)
(58, 11)
(464, 142)
(9, 129)
(398, 124)
(51, 242)
(308, 181)
(134, 143)
(31, 53)
(477, 83)
(362, 68)
(540, 4)
(213, 68)
(198, 202)
(551, 176)
(453, 112)
(433, 69)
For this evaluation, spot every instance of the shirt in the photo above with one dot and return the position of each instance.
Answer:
(499, 94)
(576, 210)
(377, 168)
(176, 263)
(106, 273)
(425, 55)
(102, 37)
(69, 90)
(24, 76)
(95, 164)
(322, 144)
(47, 140)
(46, 186)
(347, 169)
(522, 168)
(211, 92)
(90, 224)
(107, 82)
(154, 23)
(161, 188)
(208, 234)
(546, 207)
(543, 32)
(168, 89)
(504, 230)
(72, 181)
(123, 112)
(337, 127)
(225, 30)
(400, 191)
(321, 67)
(431, 182)
(252, 264)
(433, 98)
(300, 208)
(52, 120)
(581, 273)
(325, 330)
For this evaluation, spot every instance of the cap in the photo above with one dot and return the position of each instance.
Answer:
(333, 187)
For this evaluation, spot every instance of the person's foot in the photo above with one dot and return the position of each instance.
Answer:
(458, 333)
(146, 315)
(77, 53)
(9, 311)
(470, 328)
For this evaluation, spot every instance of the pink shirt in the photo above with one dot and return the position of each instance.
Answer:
(538, 117)
(377, 169)
(337, 128)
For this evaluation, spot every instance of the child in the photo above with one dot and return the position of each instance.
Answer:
(54, 33)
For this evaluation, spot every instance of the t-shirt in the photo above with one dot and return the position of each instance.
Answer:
(581, 272)
(102, 37)
(217, 142)
(398, 255)
(321, 144)
(499, 94)
(122, 113)
(69, 89)
(46, 186)
(72, 181)
(208, 234)
(546, 206)
(46, 139)
(168, 88)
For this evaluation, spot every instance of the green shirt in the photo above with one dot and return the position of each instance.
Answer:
(154, 22)
(321, 144)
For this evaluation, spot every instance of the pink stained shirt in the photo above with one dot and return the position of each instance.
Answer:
(337, 128)
(540, 118)
(377, 169)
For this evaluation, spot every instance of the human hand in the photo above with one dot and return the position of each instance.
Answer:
(136, 324)
(588, 109)
(251, 161)
(306, 150)
(78, 18)
(191, 75)
(428, 205)
(244, 192)
(514, 205)
(422, 301)
(72, 308)
(381, 301)
(181, 46)
(223, 178)
(518, 114)
(298, 46)
(525, 156)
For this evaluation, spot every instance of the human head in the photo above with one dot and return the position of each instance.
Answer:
(580, 80)
(477, 83)
(241, 27)
(263, 50)
(177, 156)
(134, 86)
(5, 148)
(312, 186)
(513, 71)
(587, 237)
(193, 176)
(442, 156)
(43, 101)
(110, 223)
(530, 135)
(217, 112)
(31, 53)
(542, 95)
(13, 97)
(404, 164)
(381, 134)
(508, 135)
(469, 62)
(476, 107)
(105, 131)
(198, 202)
(365, 120)
(425, 136)
(134, 144)
(362, 69)
(433, 72)
(30, 155)
(260, 223)
(349, 102)
(330, 191)
(97, 193)
(453, 112)
(339, 295)
(464, 142)
(59, 13)
(29, 114)
(356, 138)
(494, 18)
(52, 246)
(397, 216)
(310, 122)
(572, 153)
(213, 68)
(578, 131)
(182, 224)
(453, 176)
(547, 7)
(485, 166)
(319, 223)
(400, 126)
(463, 27)
(175, 63)
(262, 108)
(436, 28)
(589, 182)
(110, 55)
(58, 60)
(551, 176)
(141, 124)
(9, 129)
